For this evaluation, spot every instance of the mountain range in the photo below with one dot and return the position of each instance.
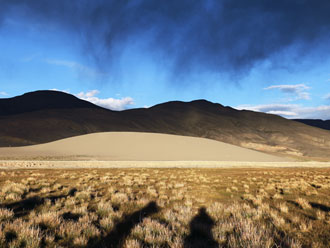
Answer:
(44, 116)
(324, 124)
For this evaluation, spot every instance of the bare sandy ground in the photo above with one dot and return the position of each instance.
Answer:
(140, 150)
(21, 164)
(133, 146)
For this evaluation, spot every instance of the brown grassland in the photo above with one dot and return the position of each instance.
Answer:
(265, 207)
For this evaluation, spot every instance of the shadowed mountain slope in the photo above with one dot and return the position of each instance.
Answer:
(316, 123)
(52, 120)
(41, 100)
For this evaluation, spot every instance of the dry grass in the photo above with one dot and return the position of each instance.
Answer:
(165, 208)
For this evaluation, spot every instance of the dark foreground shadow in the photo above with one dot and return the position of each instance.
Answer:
(201, 232)
(25, 206)
(320, 206)
(313, 204)
(294, 203)
(120, 232)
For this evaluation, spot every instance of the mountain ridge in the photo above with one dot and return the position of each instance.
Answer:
(31, 101)
(324, 124)
(200, 118)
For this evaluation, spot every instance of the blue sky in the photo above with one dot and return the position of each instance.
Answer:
(138, 73)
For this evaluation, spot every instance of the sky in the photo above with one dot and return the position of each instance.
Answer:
(269, 56)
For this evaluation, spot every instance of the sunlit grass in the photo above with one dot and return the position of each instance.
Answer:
(217, 207)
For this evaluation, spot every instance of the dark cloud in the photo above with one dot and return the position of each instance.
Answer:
(221, 36)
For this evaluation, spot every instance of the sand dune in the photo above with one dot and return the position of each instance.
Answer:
(133, 146)
(46, 116)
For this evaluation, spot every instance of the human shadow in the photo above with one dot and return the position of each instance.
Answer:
(201, 232)
(117, 236)
(24, 207)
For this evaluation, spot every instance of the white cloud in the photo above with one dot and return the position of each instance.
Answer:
(65, 91)
(299, 90)
(109, 103)
(327, 97)
(2, 93)
(30, 58)
(88, 94)
(303, 96)
(89, 71)
(283, 113)
(281, 109)
(291, 110)
(74, 65)
(289, 88)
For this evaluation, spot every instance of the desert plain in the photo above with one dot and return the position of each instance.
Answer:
(124, 189)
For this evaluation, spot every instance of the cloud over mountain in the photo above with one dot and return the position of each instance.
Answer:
(109, 103)
(298, 90)
(291, 110)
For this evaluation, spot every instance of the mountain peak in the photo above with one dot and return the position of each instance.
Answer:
(41, 100)
(205, 103)
(200, 103)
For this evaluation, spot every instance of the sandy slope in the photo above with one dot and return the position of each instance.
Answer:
(133, 146)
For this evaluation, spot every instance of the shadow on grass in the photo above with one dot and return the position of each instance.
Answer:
(71, 216)
(25, 206)
(294, 203)
(313, 204)
(320, 206)
(120, 232)
(201, 231)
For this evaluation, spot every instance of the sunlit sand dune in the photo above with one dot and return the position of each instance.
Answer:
(134, 146)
